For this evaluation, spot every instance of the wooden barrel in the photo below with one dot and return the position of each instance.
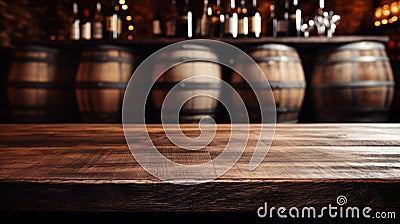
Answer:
(5, 64)
(102, 76)
(353, 83)
(195, 108)
(282, 66)
(37, 90)
(395, 111)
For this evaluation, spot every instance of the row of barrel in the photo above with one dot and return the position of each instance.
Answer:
(350, 83)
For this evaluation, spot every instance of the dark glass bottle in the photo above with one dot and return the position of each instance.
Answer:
(157, 28)
(184, 26)
(282, 19)
(271, 22)
(86, 25)
(228, 13)
(254, 21)
(294, 19)
(172, 20)
(75, 29)
(218, 20)
(97, 27)
(113, 27)
(205, 21)
(243, 19)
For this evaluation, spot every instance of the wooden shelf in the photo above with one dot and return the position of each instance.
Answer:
(314, 40)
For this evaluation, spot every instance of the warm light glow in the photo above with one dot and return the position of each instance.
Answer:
(390, 20)
(378, 12)
(245, 10)
(130, 37)
(395, 18)
(121, 2)
(386, 11)
(377, 23)
(52, 37)
(394, 7)
(124, 7)
(116, 8)
(130, 27)
(391, 44)
(384, 21)
(128, 18)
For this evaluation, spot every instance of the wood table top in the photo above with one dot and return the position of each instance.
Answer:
(88, 167)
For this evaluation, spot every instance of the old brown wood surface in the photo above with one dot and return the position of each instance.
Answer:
(88, 167)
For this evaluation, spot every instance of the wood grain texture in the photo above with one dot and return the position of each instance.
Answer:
(88, 167)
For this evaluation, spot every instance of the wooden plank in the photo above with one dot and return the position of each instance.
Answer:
(340, 151)
(88, 167)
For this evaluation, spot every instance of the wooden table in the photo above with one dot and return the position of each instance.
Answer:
(89, 168)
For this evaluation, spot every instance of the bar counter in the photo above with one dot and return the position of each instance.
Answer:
(89, 168)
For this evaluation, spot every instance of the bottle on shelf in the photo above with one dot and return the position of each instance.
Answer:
(271, 23)
(205, 21)
(157, 29)
(233, 20)
(228, 12)
(184, 27)
(255, 23)
(243, 19)
(75, 29)
(113, 22)
(97, 28)
(282, 19)
(218, 20)
(86, 25)
(295, 20)
(172, 20)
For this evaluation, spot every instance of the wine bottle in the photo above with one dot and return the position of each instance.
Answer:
(157, 24)
(171, 21)
(205, 21)
(233, 20)
(97, 31)
(282, 26)
(294, 19)
(243, 19)
(254, 21)
(86, 25)
(75, 29)
(185, 22)
(228, 12)
(113, 22)
(218, 20)
(271, 22)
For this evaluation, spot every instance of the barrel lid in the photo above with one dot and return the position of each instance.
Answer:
(280, 47)
(362, 45)
(35, 47)
(197, 47)
(107, 47)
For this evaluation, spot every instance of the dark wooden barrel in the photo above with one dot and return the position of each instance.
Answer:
(102, 76)
(395, 111)
(5, 64)
(195, 108)
(353, 83)
(38, 91)
(282, 66)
